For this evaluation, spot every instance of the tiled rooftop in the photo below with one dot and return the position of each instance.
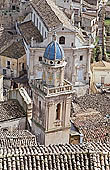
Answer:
(91, 117)
(16, 138)
(92, 156)
(51, 14)
(15, 50)
(5, 37)
(28, 30)
(10, 109)
(46, 12)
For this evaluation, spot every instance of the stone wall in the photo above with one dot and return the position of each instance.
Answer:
(14, 124)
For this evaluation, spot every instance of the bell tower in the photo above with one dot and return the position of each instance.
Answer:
(52, 98)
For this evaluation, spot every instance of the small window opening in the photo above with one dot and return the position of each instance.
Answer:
(8, 64)
(81, 58)
(72, 44)
(13, 7)
(51, 62)
(40, 26)
(62, 40)
(45, 34)
(40, 58)
(4, 71)
(58, 111)
(23, 67)
(39, 106)
(34, 18)
(37, 22)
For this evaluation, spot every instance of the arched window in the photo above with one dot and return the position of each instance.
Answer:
(58, 111)
(62, 40)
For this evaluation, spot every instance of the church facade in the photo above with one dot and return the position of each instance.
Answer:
(77, 49)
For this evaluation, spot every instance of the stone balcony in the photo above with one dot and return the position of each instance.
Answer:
(67, 87)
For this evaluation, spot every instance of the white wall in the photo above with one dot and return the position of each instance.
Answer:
(58, 137)
(19, 123)
(34, 20)
(67, 3)
(101, 73)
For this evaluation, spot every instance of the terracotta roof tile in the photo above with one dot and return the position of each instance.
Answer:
(60, 157)
(15, 50)
(91, 117)
(16, 138)
(5, 38)
(51, 14)
(10, 109)
(28, 30)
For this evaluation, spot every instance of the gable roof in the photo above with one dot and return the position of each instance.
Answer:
(51, 14)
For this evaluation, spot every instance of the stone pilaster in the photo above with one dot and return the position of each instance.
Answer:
(74, 70)
(88, 66)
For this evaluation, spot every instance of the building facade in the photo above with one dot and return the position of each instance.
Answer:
(77, 49)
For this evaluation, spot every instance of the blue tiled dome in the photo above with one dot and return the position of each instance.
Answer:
(54, 51)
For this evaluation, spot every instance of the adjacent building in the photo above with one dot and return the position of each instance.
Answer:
(13, 59)
(12, 115)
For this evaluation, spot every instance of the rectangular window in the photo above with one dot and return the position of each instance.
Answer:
(40, 58)
(45, 34)
(8, 64)
(81, 58)
(39, 106)
(37, 22)
(4, 71)
(31, 15)
(58, 111)
(34, 18)
(40, 26)
(102, 80)
(43, 31)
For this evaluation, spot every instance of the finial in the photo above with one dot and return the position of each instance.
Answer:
(54, 36)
